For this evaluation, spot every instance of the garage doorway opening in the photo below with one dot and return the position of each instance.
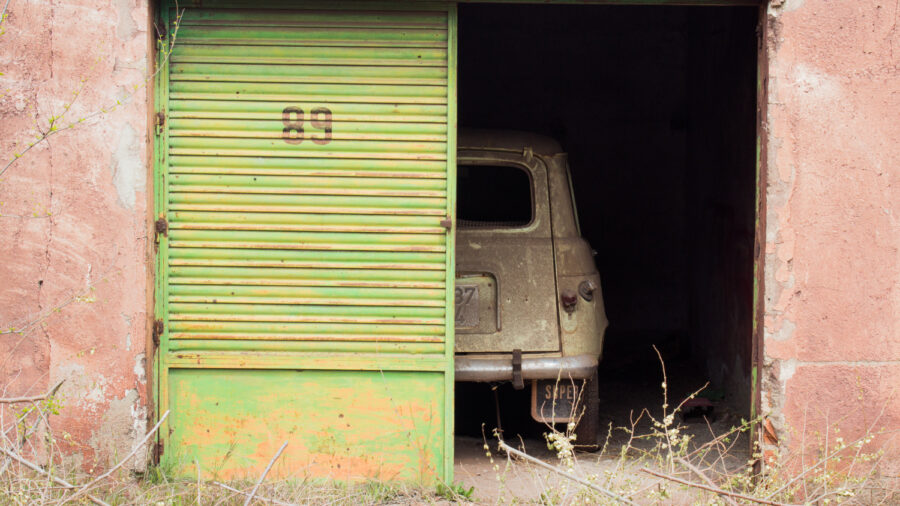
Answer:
(656, 107)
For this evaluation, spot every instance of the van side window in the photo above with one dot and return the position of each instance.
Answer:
(493, 196)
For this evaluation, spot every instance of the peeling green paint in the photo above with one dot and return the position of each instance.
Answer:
(305, 168)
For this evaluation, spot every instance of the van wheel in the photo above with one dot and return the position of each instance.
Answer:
(587, 432)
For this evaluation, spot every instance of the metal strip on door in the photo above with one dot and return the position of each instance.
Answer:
(304, 161)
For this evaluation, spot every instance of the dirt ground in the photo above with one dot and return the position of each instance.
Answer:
(512, 480)
(627, 387)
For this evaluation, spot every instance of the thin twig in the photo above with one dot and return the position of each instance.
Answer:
(72, 124)
(58, 481)
(706, 479)
(82, 295)
(825, 459)
(50, 312)
(612, 495)
(51, 127)
(665, 406)
(261, 498)
(265, 473)
(3, 12)
(85, 488)
(36, 398)
(718, 443)
(197, 464)
(631, 435)
(15, 425)
(712, 489)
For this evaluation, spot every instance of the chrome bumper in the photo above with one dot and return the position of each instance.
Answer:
(501, 367)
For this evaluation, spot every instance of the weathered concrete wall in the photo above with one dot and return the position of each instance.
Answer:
(832, 252)
(73, 233)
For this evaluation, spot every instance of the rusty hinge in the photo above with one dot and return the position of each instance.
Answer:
(160, 119)
(162, 227)
(447, 223)
(161, 31)
(158, 328)
(159, 449)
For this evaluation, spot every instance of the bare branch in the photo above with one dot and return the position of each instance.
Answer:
(266, 499)
(83, 295)
(58, 481)
(3, 12)
(84, 489)
(36, 398)
(54, 129)
(706, 479)
(826, 458)
(265, 473)
(712, 489)
(612, 495)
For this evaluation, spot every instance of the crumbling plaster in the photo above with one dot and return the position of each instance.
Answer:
(73, 217)
(832, 241)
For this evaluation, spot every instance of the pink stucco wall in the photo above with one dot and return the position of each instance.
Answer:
(73, 232)
(832, 252)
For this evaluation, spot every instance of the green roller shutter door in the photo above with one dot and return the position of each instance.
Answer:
(305, 168)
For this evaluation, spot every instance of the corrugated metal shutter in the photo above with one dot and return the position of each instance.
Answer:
(305, 278)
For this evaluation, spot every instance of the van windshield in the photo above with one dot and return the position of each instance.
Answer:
(493, 196)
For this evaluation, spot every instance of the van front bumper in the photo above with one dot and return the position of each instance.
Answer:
(500, 367)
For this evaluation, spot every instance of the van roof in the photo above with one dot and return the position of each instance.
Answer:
(507, 140)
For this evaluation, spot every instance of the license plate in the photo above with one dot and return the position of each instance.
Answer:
(466, 306)
(556, 401)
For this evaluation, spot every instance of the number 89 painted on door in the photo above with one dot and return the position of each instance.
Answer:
(293, 118)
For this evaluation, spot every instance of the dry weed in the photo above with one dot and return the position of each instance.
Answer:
(666, 464)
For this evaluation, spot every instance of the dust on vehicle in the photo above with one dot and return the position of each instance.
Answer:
(529, 308)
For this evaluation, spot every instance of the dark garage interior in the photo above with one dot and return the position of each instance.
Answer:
(656, 107)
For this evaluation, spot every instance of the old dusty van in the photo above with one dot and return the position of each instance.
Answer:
(529, 308)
